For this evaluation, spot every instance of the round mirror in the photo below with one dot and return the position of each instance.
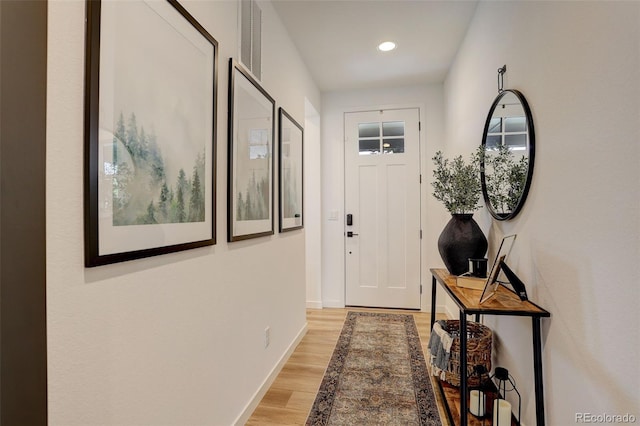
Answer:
(508, 148)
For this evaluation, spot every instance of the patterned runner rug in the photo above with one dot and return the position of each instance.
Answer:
(377, 375)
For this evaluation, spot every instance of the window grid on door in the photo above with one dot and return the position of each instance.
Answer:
(386, 137)
(508, 131)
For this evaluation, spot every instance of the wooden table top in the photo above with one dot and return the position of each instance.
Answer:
(503, 302)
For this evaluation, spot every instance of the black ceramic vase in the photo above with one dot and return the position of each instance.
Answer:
(460, 240)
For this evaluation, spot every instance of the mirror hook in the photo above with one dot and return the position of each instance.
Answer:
(501, 72)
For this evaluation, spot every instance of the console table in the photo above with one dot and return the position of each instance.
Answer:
(504, 302)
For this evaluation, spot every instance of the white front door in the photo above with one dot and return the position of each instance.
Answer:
(382, 203)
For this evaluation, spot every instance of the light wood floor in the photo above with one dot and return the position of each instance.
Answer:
(289, 400)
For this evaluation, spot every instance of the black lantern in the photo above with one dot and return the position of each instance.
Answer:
(478, 393)
(501, 407)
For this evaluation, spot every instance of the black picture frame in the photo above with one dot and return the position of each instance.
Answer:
(164, 81)
(250, 194)
(492, 283)
(290, 172)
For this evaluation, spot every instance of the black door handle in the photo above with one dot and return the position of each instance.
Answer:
(351, 234)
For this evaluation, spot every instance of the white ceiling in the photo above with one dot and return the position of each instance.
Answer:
(338, 39)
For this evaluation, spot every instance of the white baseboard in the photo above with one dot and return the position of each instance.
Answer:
(332, 303)
(311, 304)
(262, 390)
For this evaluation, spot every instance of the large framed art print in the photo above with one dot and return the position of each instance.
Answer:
(150, 96)
(251, 132)
(290, 174)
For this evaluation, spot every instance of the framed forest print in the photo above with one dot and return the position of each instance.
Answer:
(150, 96)
(290, 149)
(251, 131)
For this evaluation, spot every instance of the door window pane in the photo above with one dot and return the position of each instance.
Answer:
(258, 143)
(369, 130)
(369, 146)
(515, 124)
(495, 125)
(393, 128)
(392, 138)
(516, 142)
(393, 146)
(493, 141)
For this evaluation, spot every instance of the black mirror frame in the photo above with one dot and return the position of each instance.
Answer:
(531, 145)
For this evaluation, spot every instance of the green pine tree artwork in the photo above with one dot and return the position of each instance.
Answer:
(142, 191)
(253, 204)
(290, 207)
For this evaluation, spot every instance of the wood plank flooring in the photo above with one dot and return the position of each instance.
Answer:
(289, 400)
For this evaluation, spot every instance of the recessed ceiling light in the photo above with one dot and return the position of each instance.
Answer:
(386, 46)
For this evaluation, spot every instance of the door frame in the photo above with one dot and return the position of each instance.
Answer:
(421, 107)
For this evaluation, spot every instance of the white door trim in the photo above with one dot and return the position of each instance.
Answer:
(417, 173)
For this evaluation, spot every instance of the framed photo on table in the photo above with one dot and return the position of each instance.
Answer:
(290, 149)
(150, 126)
(492, 283)
(251, 133)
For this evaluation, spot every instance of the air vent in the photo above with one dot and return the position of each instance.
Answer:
(251, 36)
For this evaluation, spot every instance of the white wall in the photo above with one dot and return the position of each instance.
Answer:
(578, 245)
(173, 339)
(430, 101)
(313, 205)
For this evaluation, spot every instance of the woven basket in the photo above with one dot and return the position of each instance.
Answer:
(478, 352)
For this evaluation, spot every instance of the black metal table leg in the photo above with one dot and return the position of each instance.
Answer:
(537, 370)
(521, 308)
(433, 301)
(463, 369)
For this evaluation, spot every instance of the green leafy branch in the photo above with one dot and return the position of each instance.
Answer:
(505, 178)
(457, 184)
